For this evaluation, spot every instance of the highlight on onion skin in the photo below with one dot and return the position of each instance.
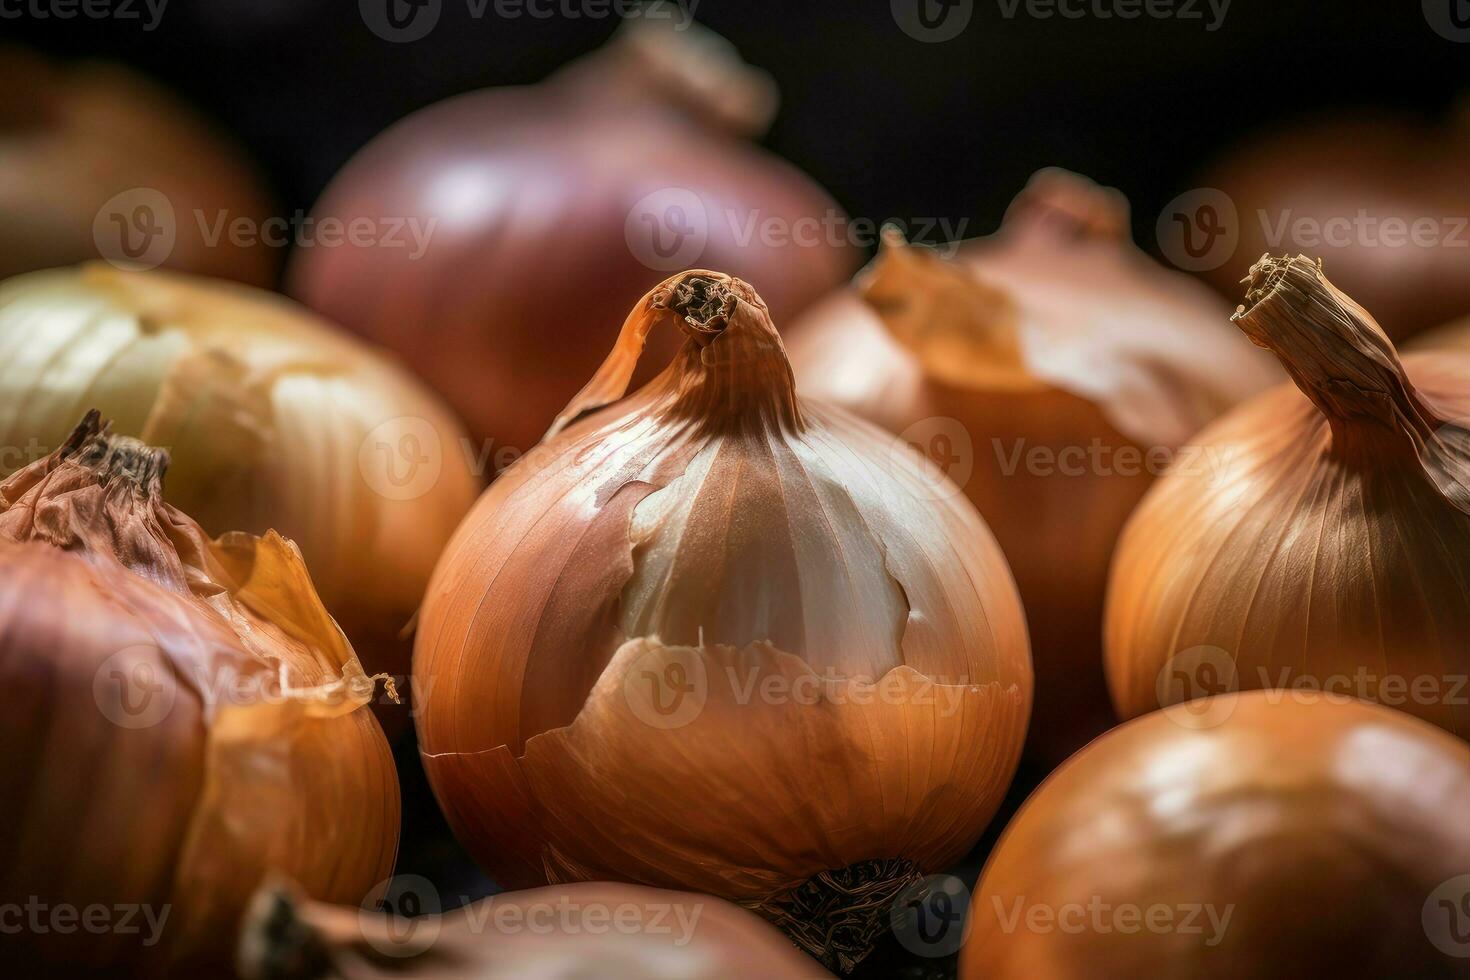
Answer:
(75, 136)
(562, 932)
(546, 201)
(718, 638)
(1453, 336)
(181, 712)
(1377, 197)
(276, 421)
(1052, 370)
(1246, 835)
(1325, 550)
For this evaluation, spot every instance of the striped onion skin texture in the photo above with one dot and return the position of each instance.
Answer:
(716, 638)
(1326, 547)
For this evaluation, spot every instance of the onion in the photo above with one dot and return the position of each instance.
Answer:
(1051, 370)
(532, 189)
(1252, 837)
(1324, 545)
(1451, 336)
(78, 139)
(567, 932)
(276, 420)
(720, 639)
(183, 718)
(1338, 188)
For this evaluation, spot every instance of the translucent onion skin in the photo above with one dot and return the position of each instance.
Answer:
(1316, 832)
(714, 530)
(1326, 548)
(1054, 340)
(155, 758)
(74, 136)
(275, 419)
(536, 187)
(564, 932)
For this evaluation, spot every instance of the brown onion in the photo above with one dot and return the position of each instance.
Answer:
(1324, 544)
(76, 139)
(539, 195)
(1239, 836)
(183, 718)
(718, 638)
(1450, 336)
(1051, 370)
(1327, 187)
(565, 932)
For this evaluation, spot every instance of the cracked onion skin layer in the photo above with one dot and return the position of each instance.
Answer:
(1328, 551)
(1331, 832)
(717, 638)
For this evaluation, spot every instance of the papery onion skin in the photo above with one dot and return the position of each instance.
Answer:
(1051, 370)
(1324, 547)
(536, 187)
(275, 419)
(1317, 832)
(713, 529)
(157, 767)
(75, 136)
(563, 932)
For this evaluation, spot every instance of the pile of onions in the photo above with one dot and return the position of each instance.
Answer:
(183, 717)
(554, 207)
(567, 932)
(74, 137)
(1380, 198)
(276, 420)
(1051, 370)
(1256, 838)
(718, 638)
(1325, 546)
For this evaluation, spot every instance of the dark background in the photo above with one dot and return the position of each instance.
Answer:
(891, 126)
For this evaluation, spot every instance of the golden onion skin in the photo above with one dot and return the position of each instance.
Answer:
(713, 530)
(274, 418)
(1272, 837)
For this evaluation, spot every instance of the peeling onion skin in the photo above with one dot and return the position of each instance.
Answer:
(563, 932)
(73, 136)
(1328, 547)
(537, 187)
(1054, 336)
(275, 419)
(1323, 825)
(155, 758)
(713, 529)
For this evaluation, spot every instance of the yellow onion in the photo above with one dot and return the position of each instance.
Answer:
(565, 932)
(1238, 836)
(275, 419)
(1052, 370)
(1451, 336)
(183, 718)
(720, 639)
(1325, 546)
